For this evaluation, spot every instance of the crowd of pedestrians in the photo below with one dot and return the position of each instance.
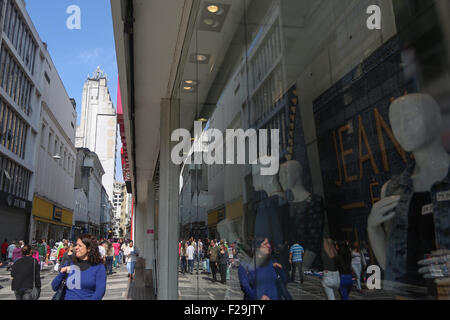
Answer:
(213, 256)
(93, 259)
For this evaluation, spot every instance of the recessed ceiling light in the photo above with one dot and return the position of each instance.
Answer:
(213, 9)
(187, 88)
(201, 58)
(189, 82)
(209, 21)
(202, 120)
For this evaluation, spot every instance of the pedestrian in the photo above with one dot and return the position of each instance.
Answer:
(206, 255)
(67, 256)
(344, 264)
(11, 248)
(26, 276)
(122, 249)
(5, 246)
(35, 254)
(190, 257)
(109, 257)
(102, 251)
(131, 253)
(213, 255)
(258, 278)
(296, 260)
(17, 253)
(116, 246)
(199, 254)
(331, 279)
(222, 261)
(85, 272)
(358, 262)
(120, 252)
(183, 257)
(42, 249)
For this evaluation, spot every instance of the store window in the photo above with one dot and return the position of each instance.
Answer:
(350, 117)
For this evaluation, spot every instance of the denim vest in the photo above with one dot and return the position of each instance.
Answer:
(402, 185)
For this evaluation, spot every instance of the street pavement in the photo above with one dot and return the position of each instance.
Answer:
(116, 285)
(201, 287)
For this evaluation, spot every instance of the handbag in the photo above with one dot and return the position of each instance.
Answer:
(61, 292)
(36, 292)
(282, 290)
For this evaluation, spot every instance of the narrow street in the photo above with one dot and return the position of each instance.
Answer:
(116, 286)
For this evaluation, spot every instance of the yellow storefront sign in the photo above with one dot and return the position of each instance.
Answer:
(235, 210)
(46, 211)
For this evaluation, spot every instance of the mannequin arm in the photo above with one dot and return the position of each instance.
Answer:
(382, 212)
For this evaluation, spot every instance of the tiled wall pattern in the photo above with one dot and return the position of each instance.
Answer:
(351, 112)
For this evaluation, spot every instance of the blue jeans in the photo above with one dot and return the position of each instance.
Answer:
(109, 264)
(130, 267)
(183, 264)
(207, 266)
(346, 286)
(190, 266)
(357, 270)
(120, 257)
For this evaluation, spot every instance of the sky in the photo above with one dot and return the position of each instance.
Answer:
(78, 52)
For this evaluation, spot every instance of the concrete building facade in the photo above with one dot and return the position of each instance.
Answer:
(98, 126)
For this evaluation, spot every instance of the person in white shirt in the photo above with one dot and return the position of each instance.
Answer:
(131, 252)
(10, 249)
(102, 251)
(190, 256)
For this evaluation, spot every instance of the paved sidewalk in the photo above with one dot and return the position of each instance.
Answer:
(201, 287)
(117, 284)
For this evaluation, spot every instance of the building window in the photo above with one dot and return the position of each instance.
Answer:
(14, 178)
(12, 130)
(50, 142)
(47, 78)
(14, 81)
(19, 34)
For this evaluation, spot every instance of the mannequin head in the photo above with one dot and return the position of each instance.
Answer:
(415, 120)
(291, 174)
(264, 183)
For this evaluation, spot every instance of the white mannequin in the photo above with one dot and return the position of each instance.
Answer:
(416, 122)
(269, 184)
(291, 179)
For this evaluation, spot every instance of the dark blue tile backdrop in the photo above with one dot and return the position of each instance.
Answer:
(370, 86)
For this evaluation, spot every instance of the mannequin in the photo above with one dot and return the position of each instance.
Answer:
(416, 122)
(268, 211)
(306, 212)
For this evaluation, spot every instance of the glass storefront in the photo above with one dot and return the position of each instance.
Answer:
(315, 150)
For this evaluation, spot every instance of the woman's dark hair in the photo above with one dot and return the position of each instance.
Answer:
(26, 250)
(93, 254)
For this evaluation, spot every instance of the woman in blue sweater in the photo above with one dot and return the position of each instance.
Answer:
(86, 274)
(258, 279)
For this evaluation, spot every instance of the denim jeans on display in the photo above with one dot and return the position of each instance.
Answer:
(396, 256)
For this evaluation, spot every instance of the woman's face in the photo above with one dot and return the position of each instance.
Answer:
(264, 248)
(131, 244)
(80, 250)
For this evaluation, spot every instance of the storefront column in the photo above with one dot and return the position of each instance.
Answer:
(140, 225)
(168, 205)
(149, 228)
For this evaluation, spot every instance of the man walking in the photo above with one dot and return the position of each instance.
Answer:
(190, 256)
(4, 250)
(296, 260)
(42, 249)
(213, 253)
(116, 246)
